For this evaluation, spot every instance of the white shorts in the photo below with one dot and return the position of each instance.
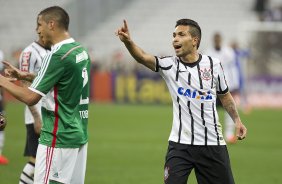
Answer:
(64, 165)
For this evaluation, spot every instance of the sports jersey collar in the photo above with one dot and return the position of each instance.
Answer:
(69, 40)
(191, 64)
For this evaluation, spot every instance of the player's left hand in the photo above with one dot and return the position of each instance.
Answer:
(241, 130)
(3, 122)
(123, 32)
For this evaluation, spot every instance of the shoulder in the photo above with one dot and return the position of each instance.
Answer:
(166, 58)
(209, 58)
(28, 48)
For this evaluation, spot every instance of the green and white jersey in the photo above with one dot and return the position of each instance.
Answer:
(64, 81)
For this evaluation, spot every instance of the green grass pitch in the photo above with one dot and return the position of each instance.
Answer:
(127, 145)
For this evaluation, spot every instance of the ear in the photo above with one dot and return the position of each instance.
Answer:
(51, 25)
(195, 41)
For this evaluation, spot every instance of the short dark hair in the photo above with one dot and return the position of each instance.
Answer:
(195, 30)
(58, 14)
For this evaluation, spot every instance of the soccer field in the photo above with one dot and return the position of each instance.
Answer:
(127, 145)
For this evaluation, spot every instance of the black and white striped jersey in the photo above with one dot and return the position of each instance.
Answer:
(193, 88)
(30, 61)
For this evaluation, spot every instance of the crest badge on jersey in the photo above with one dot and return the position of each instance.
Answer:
(206, 74)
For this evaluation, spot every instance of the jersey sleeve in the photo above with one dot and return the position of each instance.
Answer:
(163, 63)
(50, 73)
(221, 87)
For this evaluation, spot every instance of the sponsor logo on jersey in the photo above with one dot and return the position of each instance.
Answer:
(56, 175)
(206, 74)
(81, 56)
(195, 94)
(25, 61)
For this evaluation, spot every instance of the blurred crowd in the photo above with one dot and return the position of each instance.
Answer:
(266, 11)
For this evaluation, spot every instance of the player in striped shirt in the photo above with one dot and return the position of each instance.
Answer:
(63, 80)
(194, 82)
(29, 63)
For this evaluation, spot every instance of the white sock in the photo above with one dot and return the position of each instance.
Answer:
(27, 174)
(2, 136)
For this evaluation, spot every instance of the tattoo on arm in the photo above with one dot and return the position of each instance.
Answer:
(229, 105)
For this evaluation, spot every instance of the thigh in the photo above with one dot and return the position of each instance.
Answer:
(80, 166)
(55, 164)
(213, 165)
(178, 164)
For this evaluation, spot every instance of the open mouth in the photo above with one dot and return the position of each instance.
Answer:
(177, 47)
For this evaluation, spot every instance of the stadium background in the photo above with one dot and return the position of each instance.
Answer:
(130, 117)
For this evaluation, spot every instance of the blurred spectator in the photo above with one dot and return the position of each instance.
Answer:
(261, 7)
(3, 159)
(227, 57)
(240, 58)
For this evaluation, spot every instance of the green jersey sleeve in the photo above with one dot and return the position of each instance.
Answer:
(50, 73)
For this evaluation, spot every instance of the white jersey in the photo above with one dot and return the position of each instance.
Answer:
(193, 88)
(227, 57)
(30, 61)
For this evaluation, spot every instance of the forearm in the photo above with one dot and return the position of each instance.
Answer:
(37, 119)
(34, 111)
(140, 55)
(23, 94)
(229, 105)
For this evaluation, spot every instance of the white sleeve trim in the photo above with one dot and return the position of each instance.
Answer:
(36, 91)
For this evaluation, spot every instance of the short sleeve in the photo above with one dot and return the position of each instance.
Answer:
(163, 63)
(221, 87)
(51, 71)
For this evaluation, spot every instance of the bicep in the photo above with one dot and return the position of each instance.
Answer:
(149, 61)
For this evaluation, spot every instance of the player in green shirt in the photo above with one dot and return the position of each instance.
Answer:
(63, 82)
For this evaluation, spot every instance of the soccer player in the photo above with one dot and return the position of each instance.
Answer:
(63, 81)
(194, 81)
(30, 61)
(232, 75)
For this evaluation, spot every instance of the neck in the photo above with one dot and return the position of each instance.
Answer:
(191, 58)
(60, 37)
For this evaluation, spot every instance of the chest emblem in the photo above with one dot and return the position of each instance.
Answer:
(206, 74)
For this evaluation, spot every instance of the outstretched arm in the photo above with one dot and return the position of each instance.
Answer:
(137, 53)
(229, 105)
(23, 94)
(14, 73)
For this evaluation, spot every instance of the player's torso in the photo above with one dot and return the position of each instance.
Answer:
(69, 97)
(193, 91)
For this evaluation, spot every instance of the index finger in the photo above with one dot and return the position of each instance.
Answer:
(7, 64)
(125, 24)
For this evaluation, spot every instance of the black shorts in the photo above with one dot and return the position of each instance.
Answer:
(211, 164)
(31, 141)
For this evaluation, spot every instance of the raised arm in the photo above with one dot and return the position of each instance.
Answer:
(137, 53)
(229, 105)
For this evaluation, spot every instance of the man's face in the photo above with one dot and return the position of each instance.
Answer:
(43, 30)
(183, 42)
(217, 41)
